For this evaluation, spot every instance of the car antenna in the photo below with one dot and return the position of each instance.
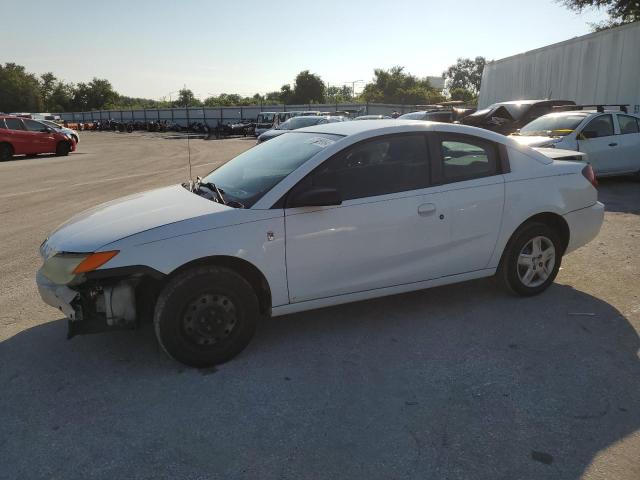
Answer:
(186, 108)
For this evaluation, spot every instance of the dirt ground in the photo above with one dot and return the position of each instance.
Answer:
(456, 382)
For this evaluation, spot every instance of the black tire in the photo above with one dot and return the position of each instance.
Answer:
(6, 152)
(75, 139)
(63, 149)
(513, 275)
(206, 316)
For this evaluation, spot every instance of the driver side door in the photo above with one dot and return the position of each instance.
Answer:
(390, 229)
(41, 137)
(598, 140)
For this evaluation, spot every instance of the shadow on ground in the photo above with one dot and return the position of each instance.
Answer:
(620, 194)
(456, 382)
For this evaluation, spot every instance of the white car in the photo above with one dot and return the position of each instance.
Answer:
(316, 217)
(69, 132)
(609, 138)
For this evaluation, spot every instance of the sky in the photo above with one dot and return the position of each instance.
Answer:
(151, 49)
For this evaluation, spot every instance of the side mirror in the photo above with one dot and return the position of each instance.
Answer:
(315, 197)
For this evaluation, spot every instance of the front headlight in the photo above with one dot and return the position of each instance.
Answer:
(61, 268)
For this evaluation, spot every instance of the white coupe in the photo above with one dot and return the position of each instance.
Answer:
(316, 217)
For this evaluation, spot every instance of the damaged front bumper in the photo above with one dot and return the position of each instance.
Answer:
(94, 306)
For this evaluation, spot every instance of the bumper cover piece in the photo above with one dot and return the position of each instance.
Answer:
(58, 296)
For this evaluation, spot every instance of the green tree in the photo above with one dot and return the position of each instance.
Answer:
(465, 73)
(619, 11)
(396, 86)
(98, 94)
(274, 97)
(186, 98)
(339, 94)
(462, 94)
(19, 90)
(286, 95)
(308, 88)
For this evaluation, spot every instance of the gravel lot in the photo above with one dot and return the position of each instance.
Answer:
(458, 382)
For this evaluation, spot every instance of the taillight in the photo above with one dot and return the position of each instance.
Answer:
(588, 173)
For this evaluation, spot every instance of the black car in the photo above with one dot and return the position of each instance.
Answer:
(507, 117)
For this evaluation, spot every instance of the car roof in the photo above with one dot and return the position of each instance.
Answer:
(389, 125)
(531, 102)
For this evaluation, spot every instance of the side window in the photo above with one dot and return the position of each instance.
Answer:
(601, 126)
(628, 124)
(466, 158)
(34, 126)
(2, 125)
(14, 124)
(378, 167)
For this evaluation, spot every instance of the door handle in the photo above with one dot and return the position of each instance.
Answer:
(613, 144)
(426, 209)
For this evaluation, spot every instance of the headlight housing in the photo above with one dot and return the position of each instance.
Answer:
(62, 268)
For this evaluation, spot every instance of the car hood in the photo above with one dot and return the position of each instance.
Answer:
(112, 221)
(533, 141)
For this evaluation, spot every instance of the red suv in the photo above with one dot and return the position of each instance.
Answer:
(23, 136)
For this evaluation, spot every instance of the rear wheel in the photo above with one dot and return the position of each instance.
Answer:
(63, 149)
(531, 260)
(206, 316)
(6, 152)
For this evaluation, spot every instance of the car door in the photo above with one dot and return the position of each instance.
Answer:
(390, 229)
(628, 143)
(41, 137)
(469, 170)
(598, 140)
(19, 137)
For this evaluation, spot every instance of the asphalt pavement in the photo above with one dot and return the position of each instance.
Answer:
(456, 382)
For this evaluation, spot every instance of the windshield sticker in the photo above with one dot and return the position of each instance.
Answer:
(321, 141)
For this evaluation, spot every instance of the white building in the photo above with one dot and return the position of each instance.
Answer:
(599, 68)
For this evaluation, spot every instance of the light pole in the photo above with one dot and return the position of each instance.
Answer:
(353, 86)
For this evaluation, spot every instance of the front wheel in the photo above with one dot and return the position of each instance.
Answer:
(206, 316)
(531, 260)
(63, 149)
(6, 152)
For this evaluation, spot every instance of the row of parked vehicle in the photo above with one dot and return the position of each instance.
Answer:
(607, 136)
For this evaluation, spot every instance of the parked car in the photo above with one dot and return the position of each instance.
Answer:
(264, 122)
(609, 138)
(321, 216)
(507, 117)
(446, 115)
(296, 123)
(23, 136)
(429, 115)
(373, 117)
(69, 132)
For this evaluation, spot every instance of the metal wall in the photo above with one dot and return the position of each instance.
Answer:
(602, 67)
(211, 116)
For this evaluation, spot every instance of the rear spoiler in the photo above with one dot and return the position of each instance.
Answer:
(561, 154)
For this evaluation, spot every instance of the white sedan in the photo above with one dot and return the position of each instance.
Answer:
(316, 217)
(609, 138)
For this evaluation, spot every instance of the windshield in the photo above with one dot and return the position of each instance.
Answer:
(250, 175)
(412, 116)
(553, 125)
(266, 117)
(299, 122)
(51, 124)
